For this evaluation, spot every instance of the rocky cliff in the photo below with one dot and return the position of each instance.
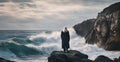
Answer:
(83, 28)
(106, 30)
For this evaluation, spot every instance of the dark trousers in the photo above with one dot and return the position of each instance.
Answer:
(65, 49)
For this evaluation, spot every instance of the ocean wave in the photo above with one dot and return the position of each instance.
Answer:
(43, 43)
(18, 50)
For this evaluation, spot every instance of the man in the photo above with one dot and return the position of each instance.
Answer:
(65, 39)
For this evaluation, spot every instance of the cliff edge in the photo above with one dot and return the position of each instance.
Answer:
(83, 28)
(105, 31)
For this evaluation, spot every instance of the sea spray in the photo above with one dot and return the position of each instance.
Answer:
(42, 43)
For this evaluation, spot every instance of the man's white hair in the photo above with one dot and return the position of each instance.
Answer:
(65, 29)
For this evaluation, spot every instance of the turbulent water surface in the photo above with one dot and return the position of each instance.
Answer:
(36, 46)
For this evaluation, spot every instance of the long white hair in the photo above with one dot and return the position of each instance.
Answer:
(65, 29)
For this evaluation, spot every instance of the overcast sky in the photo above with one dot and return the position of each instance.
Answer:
(48, 14)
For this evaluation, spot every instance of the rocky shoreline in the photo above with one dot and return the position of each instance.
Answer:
(76, 56)
(104, 30)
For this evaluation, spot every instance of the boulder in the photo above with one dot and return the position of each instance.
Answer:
(103, 58)
(117, 59)
(71, 56)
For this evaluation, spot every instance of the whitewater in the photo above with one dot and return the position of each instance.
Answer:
(36, 46)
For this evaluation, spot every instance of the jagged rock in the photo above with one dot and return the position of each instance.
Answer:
(83, 28)
(102, 58)
(76, 56)
(117, 59)
(86, 60)
(106, 31)
(91, 37)
(4, 60)
(71, 56)
(112, 8)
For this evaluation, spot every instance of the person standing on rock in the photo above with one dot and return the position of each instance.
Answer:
(65, 39)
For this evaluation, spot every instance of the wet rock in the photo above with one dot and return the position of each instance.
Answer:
(76, 56)
(71, 56)
(102, 58)
(117, 59)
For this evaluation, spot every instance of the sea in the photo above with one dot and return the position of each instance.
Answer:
(36, 45)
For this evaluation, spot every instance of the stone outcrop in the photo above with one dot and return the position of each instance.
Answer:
(104, 30)
(71, 56)
(4, 60)
(83, 28)
(76, 56)
(102, 58)
(117, 59)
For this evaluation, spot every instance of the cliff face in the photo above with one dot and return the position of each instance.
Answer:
(83, 28)
(106, 30)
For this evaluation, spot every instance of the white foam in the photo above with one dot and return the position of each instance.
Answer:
(36, 59)
(55, 35)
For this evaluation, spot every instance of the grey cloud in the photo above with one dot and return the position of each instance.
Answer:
(10, 23)
(51, 21)
(23, 5)
(3, 0)
(82, 2)
(21, 0)
(98, 2)
(16, 0)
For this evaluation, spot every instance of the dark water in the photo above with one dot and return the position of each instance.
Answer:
(5, 34)
(18, 43)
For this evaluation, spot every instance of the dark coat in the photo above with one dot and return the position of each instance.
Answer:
(65, 39)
